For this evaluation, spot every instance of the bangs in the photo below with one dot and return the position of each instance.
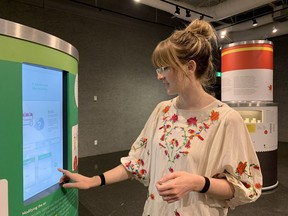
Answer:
(162, 55)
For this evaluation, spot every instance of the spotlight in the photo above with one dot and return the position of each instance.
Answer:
(177, 11)
(254, 22)
(188, 13)
(274, 30)
(223, 34)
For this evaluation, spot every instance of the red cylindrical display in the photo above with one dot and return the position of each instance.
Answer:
(247, 71)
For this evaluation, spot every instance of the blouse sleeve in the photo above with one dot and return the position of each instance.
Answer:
(138, 160)
(240, 162)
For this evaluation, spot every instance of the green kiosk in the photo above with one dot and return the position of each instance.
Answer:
(39, 122)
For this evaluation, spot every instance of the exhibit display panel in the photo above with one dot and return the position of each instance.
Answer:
(39, 111)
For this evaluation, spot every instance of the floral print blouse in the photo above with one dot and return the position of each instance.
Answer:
(212, 142)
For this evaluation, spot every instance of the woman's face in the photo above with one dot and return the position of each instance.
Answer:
(172, 79)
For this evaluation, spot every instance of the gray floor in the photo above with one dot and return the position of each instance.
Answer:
(127, 198)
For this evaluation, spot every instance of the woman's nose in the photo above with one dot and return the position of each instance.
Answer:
(160, 76)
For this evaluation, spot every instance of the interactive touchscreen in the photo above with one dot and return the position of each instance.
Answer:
(42, 102)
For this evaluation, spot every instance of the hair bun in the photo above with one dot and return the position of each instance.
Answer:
(201, 28)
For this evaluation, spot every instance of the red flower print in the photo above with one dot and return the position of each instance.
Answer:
(184, 152)
(256, 167)
(162, 138)
(188, 144)
(177, 156)
(270, 87)
(162, 145)
(177, 213)
(214, 116)
(171, 169)
(166, 152)
(200, 137)
(152, 196)
(174, 118)
(206, 126)
(175, 142)
(128, 164)
(192, 121)
(241, 168)
(258, 186)
(246, 184)
(166, 109)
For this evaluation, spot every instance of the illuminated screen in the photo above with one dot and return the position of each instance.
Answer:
(42, 102)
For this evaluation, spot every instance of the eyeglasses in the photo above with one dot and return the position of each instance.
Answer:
(162, 70)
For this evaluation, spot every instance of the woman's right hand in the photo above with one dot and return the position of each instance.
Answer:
(79, 181)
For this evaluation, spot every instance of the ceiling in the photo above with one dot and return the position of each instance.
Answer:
(233, 16)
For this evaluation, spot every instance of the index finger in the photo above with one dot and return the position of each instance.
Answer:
(167, 178)
(65, 172)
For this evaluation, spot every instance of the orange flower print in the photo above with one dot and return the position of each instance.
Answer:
(191, 131)
(166, 109)
(214, 116)
(258, 186)
(142, 172)
(143, 141)
(241, 168)
(192, 121)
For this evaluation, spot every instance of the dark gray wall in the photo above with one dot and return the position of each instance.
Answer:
(115, 64)
(281, 84)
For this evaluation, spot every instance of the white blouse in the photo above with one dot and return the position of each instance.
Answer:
(212, 142)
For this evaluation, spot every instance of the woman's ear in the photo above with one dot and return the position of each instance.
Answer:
(192, 66)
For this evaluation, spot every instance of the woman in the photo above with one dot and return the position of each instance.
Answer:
(194, 153)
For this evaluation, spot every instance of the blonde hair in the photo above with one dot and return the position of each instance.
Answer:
(195, 42)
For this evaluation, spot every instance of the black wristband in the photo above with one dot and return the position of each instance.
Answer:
(103, 181)
(206, 186)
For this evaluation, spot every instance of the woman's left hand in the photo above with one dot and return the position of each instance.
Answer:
(176, 185)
